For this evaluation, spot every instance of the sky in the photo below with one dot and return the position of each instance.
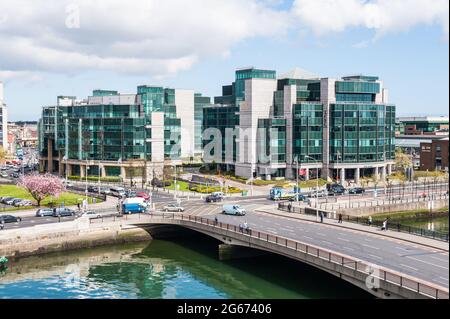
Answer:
(71, 47)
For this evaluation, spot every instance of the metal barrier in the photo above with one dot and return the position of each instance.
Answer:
(376, 223)
(413, 284)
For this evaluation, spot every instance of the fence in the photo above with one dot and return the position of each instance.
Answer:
(413, 284)
(364, 221)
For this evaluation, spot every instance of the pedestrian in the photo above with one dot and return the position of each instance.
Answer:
(369, 221)
(241, 228)
(216, 220)
(321, 217)
(340, 219)
(79, 207)
(94, 200)
(384, 226)
(290, 207)
(2, 225)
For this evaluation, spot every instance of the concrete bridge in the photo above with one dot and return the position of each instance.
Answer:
(382, 282)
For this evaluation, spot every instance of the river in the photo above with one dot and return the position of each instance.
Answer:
(175, 269)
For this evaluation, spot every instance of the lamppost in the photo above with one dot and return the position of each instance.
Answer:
(87, 169)
(175, 182)
(296, 184)
(338, 155)
(317, 187)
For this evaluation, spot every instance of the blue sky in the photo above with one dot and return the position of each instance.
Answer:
(410, 55)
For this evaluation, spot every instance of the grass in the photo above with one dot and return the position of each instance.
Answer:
(69, 199)
(184, 186)
(400, 215)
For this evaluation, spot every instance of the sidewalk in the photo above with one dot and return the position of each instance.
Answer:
(435, 244)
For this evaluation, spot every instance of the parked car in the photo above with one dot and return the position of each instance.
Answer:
(236, 210)
(92, 189)
(335, 189)
(213, 198)
(105, 191)
(63, 212)
(11, 201)
(118, 191)
(16, 202)
(91, 215)
(15, 175)
(5, 199)
(356, 190)
(9, 219)
(5, 175)
(173, 208)
(43, 212)
(143, 195)
(26, 203)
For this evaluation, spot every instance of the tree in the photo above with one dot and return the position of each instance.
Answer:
(41, 186)
(2, 154)
(402, 161)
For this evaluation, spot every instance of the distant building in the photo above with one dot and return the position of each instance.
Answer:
(434, 155)
(3, 120)
(425, 125)
(25, 132)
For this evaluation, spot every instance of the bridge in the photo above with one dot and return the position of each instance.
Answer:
(403, 274)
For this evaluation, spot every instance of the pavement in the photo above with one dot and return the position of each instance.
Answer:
(424, 241)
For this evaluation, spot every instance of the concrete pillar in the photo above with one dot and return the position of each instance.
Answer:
(60, 168)
(307, 174)
(102, 170)
(123, 173)
(383, 173)
(82, 171)
(357, 175)
(50, 156)
(69, 169)
(389, 169)
(377, 176)
(268, 177)
(342, 176)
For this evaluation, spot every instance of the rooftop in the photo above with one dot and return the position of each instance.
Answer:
(299, 74)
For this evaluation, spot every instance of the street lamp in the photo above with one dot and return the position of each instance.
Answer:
(317, 187)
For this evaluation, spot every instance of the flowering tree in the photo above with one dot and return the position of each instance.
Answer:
(41, 186)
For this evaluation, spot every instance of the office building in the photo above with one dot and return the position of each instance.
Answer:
(3, 120)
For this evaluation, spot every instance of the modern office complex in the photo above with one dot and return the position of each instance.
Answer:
(3, 120)
(112, 134)
(262, 126)
(300, 123)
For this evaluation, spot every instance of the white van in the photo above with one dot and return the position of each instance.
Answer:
(235, 210)
(117, 191)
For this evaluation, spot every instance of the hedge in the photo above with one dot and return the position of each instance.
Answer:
(112, 179)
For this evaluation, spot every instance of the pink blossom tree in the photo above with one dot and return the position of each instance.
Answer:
(41, 186)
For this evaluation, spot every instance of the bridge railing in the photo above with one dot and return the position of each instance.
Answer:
(414, 284)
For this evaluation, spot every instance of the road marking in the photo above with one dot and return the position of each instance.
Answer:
(367, 240)
(320, 234)
(348, 248)
(446, 279)
(374, 256)
(425, 262)
(308, 237)
(435, 258)
(371, 247)
(415, 269)
(343, 239)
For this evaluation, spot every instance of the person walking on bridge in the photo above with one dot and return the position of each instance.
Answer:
(340, 218)
(321, 217)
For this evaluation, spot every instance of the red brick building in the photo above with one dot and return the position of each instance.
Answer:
(434, 155)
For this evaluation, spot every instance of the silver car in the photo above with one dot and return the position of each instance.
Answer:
(173, 208)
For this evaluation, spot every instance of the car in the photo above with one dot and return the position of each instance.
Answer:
(356, 190)
(67, 184)
(143, 195)
(5, 199)
(43, 212)
(213, 198)
(298, 197)
(92, 189)
(233, 209)
(17, 202)
(105, 191)
(11, 201)
(15, 175)
(9, 219)
(118, 191)
(173, 208)
(319, 193)
(335, 189)
(4, 175)
(131, 194)
(91, 215)
(26, 203)
(63, 212)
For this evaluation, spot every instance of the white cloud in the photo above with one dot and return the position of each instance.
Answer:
(151, 37)
(383, 16)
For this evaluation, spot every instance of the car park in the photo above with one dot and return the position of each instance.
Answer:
(173, 208)
(9, 219)
(43, 212)
(356, 190)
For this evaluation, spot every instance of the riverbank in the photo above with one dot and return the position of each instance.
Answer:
(66, 236)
